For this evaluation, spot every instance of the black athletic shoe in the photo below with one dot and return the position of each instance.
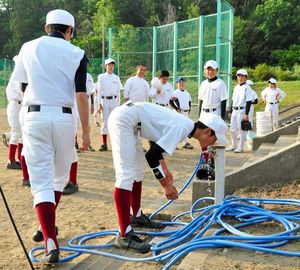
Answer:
(25, 183)
(15, 165)
(50, 257)
(70, 188)
(103, 148)
(145, 222)
(132, 242)
(91, 149)
(188, 146)
(38, 235)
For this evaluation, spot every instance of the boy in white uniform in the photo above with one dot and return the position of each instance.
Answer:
(182, 103)
(161, 89)
(271, 97)
(253, 102)
(241, 103)
(165, 128)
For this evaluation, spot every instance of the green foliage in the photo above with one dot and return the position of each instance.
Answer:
(288, 57)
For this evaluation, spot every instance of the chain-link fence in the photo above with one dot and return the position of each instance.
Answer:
(182, 48)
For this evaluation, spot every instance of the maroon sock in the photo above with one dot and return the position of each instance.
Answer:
(205, 155)
(12, 152)
(104, 138)
(20, 146)
(57, 195)
(122, 201)
(73, 173)
(135, 197)
(24, 169)
(46, 214)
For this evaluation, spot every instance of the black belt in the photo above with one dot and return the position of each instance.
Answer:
(272, 103)
(37, 108)
(185, 110)
(238, 108)
(109, 97)
(209, 110)
(164, 105)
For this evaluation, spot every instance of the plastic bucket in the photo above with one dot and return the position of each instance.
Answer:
(263, 123)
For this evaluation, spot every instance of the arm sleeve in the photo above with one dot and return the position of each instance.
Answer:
(248, 106)
(200, 106)
(255, 101)
(175, 104)
(223, 109)
(80, 76)
(154, 154)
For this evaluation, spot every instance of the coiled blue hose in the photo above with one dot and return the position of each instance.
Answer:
(243, 212)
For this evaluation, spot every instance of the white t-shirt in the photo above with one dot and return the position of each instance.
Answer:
(241, 94)
(212, 93)
(272, 95)
(165, 95)
(48, 65)
(136, 89)
(166, 131)
(89, 84)
(184, 98)
(13, 90)
(108, 85)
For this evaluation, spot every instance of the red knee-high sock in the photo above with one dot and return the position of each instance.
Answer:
(57, 195)
(104, 138)
(135, 197)
(205, 155)
(24, 168)
(20, 146)
(73, 173)
(122, 201)
(12, 152)
(46, 215)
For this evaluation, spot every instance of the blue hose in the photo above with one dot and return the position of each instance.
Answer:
(242, 212)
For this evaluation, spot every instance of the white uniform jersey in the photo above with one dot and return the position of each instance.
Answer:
(89, 84)
(165, 95)
(136, 89)
(241, 95)
(108, 85)
(13, 90)
(48, 83)
(254, 94)
(272, 95)
(184, 99)
(212, 93)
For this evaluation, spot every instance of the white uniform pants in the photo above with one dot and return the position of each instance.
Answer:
(96, 108)
(273, 108)
(48, 149)
(235, 128)
(108, 106)
(128, 156)
(186, 140)
(13, 109)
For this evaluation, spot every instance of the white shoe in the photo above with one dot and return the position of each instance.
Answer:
(231, 148)
(239, 150)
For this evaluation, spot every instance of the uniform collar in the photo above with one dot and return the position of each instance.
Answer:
(193, 131)
(213, 79)
(56, 34)
(242, 83)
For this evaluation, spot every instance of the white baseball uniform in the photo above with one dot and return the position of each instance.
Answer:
(212, 93)
(136, 89)
(89, 91)
(13, 108)
(49, 128)
(131, 119)
(272, 98)
(108, 86)
(96, 103)
(251, 112)
(163, 98)
(241, 95)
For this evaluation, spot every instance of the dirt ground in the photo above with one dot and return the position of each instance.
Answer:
(92, 209)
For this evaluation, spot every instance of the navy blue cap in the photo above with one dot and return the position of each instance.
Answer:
(178, 79)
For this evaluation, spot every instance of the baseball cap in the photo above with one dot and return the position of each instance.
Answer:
(249, 82)
(211, 63)
(217, 124)
(108, 61)
(242, 72)
(60, 16)
(272, 80)
(178, 79)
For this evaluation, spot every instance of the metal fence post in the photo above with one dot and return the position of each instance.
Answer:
(109, 42)
(154, 51)
(175, 47)
(218, 32)
(230, 56)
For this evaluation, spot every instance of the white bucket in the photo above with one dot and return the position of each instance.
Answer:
(250, 137)
(263, 123)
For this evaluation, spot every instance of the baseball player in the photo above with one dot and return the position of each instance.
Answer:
(90, 90)
(161, 89)
(97, 109)
(137, 88)
(49, 128)
(271, 97)
(212, 94)
(182, 102)
(253, 101)
(241, 103)
(13, 108)
(108, 86)
(165, 128)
